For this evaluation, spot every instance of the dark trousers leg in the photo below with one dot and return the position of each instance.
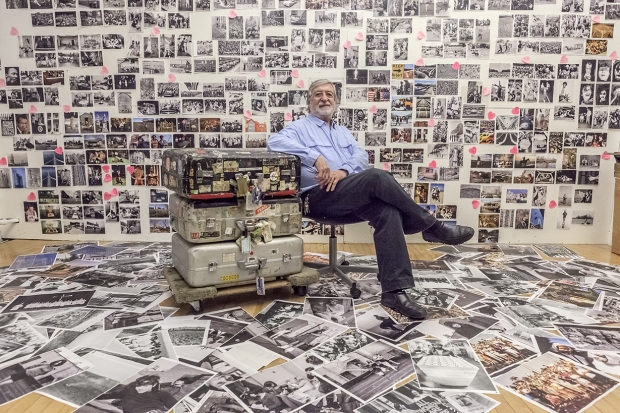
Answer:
(360, 191)
(375, 196)
(391, 247)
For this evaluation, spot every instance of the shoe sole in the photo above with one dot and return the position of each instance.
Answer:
(455, 241)
(400, 312)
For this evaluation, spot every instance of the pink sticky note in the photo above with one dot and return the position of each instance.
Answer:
(605, 155)
(105, 168)
(359, 36)
(347, 44)
(525, 59)
(130, 169)
(475, 203)
(515, 110)
(288, 117)
(613, 55)
(171, 77)
(514, 150)
(248, 114)
(486, 91)
(552, 204)
(3, 161)
(66, 108)
(295, 73)
(473, 150)
(32, 196)
(432, 164)
(456, 65)
(373, 109)
(155, 31)
(232, 14)
(107, 196)
(33, 109)
(14, 31)
(107, 178)
(421, 35)
(491, 115)
(431, 122)
(596, 19)
(2, 83)
(419, 62)
(104, 70)
(386, 166)
(300, 83)
(114, 192)
(563, 59)
(262, 73)
(58, 150)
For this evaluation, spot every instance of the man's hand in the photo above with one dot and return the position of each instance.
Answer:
(323, 170)
(334, 178)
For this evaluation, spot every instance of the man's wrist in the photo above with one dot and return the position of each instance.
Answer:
(345, 171)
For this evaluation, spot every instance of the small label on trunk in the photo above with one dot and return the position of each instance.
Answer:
(228, 257)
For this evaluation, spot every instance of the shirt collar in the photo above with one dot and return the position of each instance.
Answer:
(319, 122)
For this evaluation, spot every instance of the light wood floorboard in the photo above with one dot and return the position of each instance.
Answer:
(35, 403)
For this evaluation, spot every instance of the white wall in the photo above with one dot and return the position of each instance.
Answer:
(599, 232)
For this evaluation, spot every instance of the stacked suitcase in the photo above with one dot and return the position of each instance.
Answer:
(235, 212)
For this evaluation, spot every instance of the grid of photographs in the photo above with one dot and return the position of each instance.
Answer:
(479, 103)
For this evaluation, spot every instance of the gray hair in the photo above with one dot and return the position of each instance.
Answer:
(321, 82)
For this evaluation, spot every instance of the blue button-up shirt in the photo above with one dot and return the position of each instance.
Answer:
(310, 137)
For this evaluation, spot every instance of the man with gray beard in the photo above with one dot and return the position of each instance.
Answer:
(337, 184)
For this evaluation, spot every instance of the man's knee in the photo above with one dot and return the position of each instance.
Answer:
(378, 177)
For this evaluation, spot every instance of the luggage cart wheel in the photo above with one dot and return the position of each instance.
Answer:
(196, 305)
(300, 290)
(355, 292)
(345, 262)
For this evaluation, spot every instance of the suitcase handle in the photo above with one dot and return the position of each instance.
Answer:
(246, 226)
(252, 263)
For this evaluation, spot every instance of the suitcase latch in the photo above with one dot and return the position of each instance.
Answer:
(210, 222)
(286, 257)
(285, 217)
(246, 226)
(213, 266)
(252, 263)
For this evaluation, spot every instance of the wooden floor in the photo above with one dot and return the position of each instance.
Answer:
(34, 403)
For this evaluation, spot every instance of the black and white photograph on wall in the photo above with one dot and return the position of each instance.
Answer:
(583, 196)
(588, 177)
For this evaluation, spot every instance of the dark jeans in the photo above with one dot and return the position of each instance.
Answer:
(375, 196)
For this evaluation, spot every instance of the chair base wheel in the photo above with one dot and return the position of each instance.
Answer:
(300, 290)
(355, 292)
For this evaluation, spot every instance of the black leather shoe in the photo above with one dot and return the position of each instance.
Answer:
(404, 304)
(448, 234)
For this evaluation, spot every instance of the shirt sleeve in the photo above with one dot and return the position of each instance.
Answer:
(288, 141)
(359, 157)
